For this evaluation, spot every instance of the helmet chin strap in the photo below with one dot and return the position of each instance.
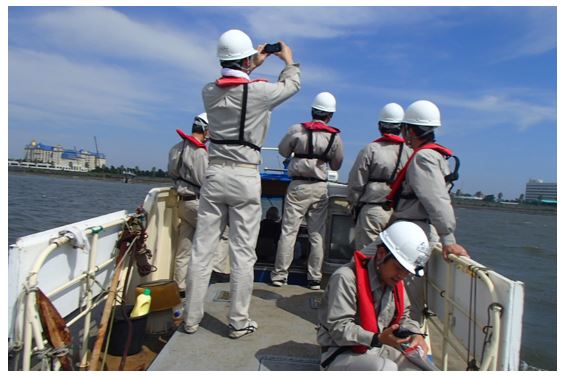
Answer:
(385, 255)
(247, 66)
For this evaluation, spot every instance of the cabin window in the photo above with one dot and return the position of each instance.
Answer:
(340, 238)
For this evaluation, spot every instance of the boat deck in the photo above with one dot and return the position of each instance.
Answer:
(285, 339)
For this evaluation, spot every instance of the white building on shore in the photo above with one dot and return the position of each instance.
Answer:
(58, 157)
(536, 189)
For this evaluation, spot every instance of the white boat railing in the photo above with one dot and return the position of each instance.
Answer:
(490, 356)
(32, 328)
(28, 333)
(447, 283)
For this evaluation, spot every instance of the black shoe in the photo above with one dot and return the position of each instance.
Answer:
(278, 283)
(314, 285)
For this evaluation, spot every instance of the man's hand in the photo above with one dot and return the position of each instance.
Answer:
(455, 249)
(285, 53)
(387, 337)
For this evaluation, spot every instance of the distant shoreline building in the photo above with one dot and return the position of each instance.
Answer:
(58, 157)
(536, 189)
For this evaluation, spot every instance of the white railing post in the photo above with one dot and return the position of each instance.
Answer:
(89, 296)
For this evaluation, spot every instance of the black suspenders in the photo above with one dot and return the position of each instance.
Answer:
(311, 153)
(240, 140)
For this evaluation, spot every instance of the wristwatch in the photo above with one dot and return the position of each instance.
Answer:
(375, 341)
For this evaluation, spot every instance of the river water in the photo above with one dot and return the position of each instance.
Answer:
(520, 246)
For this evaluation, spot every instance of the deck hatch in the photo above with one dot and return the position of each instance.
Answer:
(270, 362)
(315, 302)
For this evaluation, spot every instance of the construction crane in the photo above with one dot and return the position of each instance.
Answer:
(96, 153)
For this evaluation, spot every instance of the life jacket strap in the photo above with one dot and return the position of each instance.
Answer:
(310, 154)
(241, 133)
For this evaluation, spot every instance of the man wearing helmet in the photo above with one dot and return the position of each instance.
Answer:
(374, 170)
(239, 112)
(187, 164)
(364, 304)
(420, 192)
(316, 147)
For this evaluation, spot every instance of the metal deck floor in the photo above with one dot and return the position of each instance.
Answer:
(284, 340)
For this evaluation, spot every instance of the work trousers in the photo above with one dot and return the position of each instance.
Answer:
(371, 221)
(385, 358)
(302, 199)
(187, 212)
(230, 195)
(221, 262)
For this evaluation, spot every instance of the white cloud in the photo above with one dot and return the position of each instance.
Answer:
(44, 83)
(330, 22)
(501, 108)
(539, 34)
(94, 30)
(315, 22)
(520, 108)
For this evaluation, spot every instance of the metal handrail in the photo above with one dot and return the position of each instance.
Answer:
(490, 358)
(32, 328)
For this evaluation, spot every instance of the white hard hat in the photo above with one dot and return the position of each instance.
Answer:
(408, 244)
(203, 117)
(200, 123)
(234, 45)
(324, 101)
(391, 113)
(422, 113)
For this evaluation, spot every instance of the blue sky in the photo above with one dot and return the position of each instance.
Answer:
(131, 75)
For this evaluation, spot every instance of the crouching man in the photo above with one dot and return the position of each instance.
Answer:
(365, 303)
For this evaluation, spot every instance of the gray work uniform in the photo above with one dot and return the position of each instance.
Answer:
(369, 185)
(425, 200)
(305, 198)
(339, 327)
(187, 165)
(232, 190)
(429, 204)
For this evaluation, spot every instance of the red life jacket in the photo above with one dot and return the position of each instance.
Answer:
(229, 81)
(226, 81)
(366, 309)
(391, 138)
(397, 184)
(318, 127)
(193, 140)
